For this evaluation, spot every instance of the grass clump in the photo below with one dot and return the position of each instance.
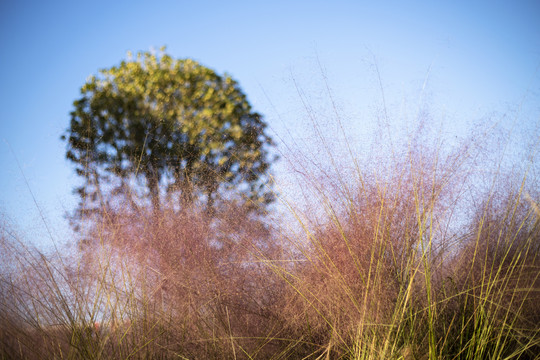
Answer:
(420, 257)
(413, 253)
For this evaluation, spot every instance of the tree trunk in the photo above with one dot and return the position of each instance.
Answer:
(152, 180)
(186, 196)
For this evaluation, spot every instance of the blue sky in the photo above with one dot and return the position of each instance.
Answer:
(466, 59)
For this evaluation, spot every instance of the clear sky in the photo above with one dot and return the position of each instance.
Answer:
(467, 59)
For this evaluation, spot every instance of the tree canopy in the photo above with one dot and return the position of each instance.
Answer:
(158, 131)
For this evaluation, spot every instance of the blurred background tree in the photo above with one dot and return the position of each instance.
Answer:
(156, 131)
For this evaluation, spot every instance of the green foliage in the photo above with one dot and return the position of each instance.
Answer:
(155, 130)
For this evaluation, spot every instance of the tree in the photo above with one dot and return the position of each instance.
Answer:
(155, 131)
